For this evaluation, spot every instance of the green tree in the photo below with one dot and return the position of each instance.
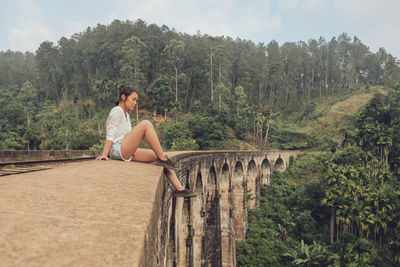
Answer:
(177, 136)
(133, 51)
(50, 76)
(222, 58)
(28, 97)
(208, 132)
(374, 131)
(224, 97)
(240, 101)
(175, 51)
(274, 71)
(161, 94)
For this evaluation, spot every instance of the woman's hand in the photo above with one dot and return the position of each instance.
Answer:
(106, 149)
(102, 157)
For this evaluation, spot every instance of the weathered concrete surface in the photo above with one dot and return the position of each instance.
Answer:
(92, 213)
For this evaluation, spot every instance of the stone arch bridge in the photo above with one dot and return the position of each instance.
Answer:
(114, 213)
(202, 231)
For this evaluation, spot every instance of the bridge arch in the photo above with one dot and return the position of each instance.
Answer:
(251, 184)
(279, 165)
(266, 172)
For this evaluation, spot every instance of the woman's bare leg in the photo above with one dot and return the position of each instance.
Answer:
(131, 141)
(174, 179)
(147, 155)
(144, 155)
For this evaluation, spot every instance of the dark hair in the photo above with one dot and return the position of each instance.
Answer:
(127, 91)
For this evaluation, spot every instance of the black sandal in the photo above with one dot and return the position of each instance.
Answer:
(184, 193)
(166, 163)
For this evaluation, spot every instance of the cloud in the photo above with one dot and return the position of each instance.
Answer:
(225, 17)
(378, 22)
(288, 4)
(369, 9)
(30, 26)
(27, 27)
(21, 38)
(257, 20)
(375, 23)
(30, 22)
(315, 7)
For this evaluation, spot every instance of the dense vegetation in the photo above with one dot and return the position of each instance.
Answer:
(59, 96)
(335, 209)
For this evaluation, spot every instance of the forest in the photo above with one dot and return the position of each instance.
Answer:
(59, 96)
(336, 205)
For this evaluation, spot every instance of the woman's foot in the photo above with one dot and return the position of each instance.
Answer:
(184, 193)
(167, 163)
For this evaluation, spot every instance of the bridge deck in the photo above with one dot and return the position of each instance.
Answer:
(89, 213)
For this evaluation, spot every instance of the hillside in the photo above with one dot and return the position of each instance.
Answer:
(336, 208)
(339, 113)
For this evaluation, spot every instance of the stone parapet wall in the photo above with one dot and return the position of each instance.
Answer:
(28, 155)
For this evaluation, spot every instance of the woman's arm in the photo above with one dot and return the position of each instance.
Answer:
(106, 149)
(114, 119)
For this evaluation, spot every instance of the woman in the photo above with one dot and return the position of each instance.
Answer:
(122, 142)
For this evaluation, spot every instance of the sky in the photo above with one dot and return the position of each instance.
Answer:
(25, 24)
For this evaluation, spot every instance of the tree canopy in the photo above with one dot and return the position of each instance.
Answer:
(253, 86)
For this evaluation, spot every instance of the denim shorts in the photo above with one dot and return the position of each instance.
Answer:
(115, 152)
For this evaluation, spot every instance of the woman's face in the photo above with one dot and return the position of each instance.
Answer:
(131, 101)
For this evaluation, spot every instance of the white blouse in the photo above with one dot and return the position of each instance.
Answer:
(117, 125)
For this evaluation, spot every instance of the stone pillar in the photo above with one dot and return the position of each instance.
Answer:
(212, 231)
(238, 194)
(184, 230)
(185, 239)
(171, 247)
(198, 221)
(227, 244)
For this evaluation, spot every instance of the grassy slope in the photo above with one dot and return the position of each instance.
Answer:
(338, 115)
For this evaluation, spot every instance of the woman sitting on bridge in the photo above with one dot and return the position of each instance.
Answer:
(122, 142)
